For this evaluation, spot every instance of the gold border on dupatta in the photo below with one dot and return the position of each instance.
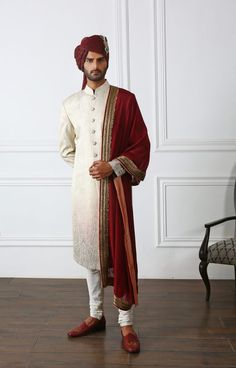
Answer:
(131, 168)
(121, 304)
(104, 188)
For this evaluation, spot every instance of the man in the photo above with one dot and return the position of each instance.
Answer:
(103, 136)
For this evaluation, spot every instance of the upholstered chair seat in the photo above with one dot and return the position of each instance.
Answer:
(224, 252)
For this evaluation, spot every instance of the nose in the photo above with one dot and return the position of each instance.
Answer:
(95, 64)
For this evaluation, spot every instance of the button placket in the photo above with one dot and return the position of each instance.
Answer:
(94, 143)
(93, 130)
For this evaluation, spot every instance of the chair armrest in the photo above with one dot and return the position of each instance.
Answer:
(217, 222)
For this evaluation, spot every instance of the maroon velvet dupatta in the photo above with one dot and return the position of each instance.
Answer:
(124, 138)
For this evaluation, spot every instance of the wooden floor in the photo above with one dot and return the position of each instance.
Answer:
(177, 328)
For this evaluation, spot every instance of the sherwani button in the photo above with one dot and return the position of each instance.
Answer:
(95, 155)
(94, 143)
(93, 131)
(92, 108)
(93, 120)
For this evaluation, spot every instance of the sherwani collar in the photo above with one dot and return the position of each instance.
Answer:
(98, 91)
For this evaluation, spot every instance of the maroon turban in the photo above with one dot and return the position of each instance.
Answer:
(94, 43)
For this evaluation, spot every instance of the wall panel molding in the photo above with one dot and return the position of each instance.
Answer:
(38, 240)
(162, 184)
(35, 181)
(162, 141)
(35, 241)
(9, 146)
(122, 43)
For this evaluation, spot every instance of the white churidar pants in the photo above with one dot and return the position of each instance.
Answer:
(96, 296)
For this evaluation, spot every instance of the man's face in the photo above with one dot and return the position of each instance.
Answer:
(95, 66)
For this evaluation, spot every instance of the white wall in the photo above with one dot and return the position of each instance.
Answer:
(178, 57)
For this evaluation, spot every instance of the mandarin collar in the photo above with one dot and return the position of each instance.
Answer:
(98, 91)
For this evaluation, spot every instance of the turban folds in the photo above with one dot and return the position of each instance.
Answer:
(95, 43)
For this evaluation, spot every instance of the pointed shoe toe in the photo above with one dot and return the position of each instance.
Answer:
(130, 343)
(84, 329)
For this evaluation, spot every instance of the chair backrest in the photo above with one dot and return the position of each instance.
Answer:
(235, 206)
(235, 196)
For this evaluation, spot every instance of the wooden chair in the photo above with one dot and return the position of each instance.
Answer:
(222, 252)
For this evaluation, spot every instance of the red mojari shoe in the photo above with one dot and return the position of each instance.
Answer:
(130, 343)
(83, 329)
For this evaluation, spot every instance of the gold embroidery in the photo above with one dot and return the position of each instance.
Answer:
(130, 166)
(121, 304)
(104, 195)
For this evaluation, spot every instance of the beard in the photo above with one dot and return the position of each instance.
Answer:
(95, 75)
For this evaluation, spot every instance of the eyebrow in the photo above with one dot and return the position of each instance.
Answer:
(99, 59)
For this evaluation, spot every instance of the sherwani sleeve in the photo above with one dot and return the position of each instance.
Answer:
(135, 158)
(66, 138)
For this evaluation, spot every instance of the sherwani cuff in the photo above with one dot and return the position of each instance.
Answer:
(117, 167)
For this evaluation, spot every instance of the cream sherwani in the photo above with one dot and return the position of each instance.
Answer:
(80, 144)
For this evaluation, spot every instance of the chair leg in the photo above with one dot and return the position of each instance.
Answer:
(203, 271)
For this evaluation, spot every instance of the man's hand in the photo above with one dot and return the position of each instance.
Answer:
(100, 170)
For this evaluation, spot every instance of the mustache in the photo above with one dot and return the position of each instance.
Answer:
(95, 70)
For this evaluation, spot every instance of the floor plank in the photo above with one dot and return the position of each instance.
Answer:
(176, 327)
